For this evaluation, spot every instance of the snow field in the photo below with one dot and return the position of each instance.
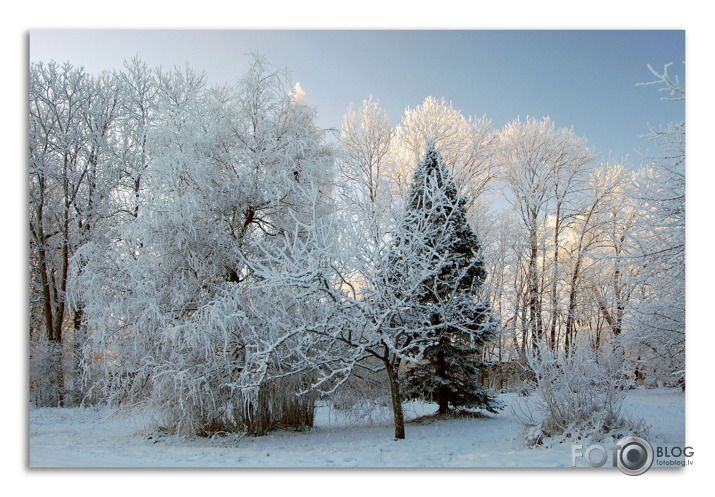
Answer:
(95, 437)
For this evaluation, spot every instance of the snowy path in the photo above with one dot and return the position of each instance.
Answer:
(90, 438)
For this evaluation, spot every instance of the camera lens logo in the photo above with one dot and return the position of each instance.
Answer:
(635, 456)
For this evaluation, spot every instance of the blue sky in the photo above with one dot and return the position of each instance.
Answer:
(582, 79)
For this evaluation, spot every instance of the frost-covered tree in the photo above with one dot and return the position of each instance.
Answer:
(436, 261)
(568, 183)
(595, 257)
(374, 294)
(175, 322)
(364, 194)
(658, 318)
(365, 201)
(366, 138)
(138, 110)
(72, 181)
(59, 104)
(504, 246)
(539, 164)
(467, 144)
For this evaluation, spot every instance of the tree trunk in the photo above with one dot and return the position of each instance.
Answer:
(555, 282)
(46, 294)
(441, 389)
(533, 287)
(40, 240)
(396, 399)
(570, 314)
(616, 323)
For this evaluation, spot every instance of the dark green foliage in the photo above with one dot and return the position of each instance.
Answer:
(437, 257)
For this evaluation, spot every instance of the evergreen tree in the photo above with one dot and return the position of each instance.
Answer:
(436, 258)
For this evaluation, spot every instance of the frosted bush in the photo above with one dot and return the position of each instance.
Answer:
(576, 395)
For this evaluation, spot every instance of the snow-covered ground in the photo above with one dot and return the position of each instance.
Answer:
(93, 437)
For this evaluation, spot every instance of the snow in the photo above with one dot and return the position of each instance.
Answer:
(97, 437)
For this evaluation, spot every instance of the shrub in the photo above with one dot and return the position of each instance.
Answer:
(577, 395)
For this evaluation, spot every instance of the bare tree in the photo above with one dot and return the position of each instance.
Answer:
(658, 318)
(467, 144)
(72, 177)
(539, 163)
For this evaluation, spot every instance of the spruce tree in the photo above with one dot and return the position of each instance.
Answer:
(436, 257)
